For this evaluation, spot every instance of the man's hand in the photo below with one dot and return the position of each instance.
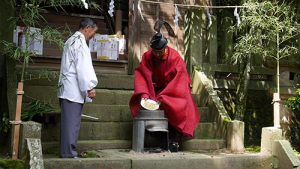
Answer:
(92, 94)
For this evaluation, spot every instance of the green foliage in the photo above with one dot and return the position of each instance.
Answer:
(252, 148)
(48, 34)
(36, 107)
(4, 123)
(297, 153)
(227, 120)
(293, 103)
(263, 24)
(267, 30)
(11, 164)
(89, 154)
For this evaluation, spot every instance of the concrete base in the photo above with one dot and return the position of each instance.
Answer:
(268, 136)
(235, 136)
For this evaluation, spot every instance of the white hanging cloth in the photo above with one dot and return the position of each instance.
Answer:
(111, 8)
(237, 16)
(140, 10)
(209, 18)
(86, 6)
(177, 15)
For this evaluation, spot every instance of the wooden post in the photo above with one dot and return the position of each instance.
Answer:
(17, 121)
(118, 25)
(134, 39)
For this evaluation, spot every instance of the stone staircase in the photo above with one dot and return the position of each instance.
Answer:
(110, 136)
(113, 130)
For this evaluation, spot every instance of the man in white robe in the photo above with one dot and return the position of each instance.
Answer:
(76, 85)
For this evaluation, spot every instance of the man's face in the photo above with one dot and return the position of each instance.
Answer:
(90, 32)
(158, 53)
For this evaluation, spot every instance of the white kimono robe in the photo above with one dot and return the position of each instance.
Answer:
(77, 74)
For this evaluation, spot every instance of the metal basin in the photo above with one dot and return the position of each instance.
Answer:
(155, 120)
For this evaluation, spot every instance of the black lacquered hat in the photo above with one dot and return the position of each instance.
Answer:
(158, 41)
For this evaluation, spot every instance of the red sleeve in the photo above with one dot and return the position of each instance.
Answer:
(142, 84)
(145, 96)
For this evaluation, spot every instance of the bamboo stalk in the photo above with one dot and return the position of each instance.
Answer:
(16, 123)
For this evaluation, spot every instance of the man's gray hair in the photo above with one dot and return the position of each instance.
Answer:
(87, 22)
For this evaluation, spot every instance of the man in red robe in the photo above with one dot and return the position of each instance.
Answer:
(162, 76)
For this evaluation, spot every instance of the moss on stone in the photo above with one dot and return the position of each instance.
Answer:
(12, 164)
(89, 154)
(253, 148)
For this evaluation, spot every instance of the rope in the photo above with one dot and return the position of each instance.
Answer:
(197, 6)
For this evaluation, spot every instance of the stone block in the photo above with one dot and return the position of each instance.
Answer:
(235, 136)
(34, 155)
(268, 135)
(283, 151)
(29, 129)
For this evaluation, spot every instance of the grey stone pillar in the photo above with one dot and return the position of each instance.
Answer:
(235, 136)
(34, 154)
(268, 136)
(29, 129)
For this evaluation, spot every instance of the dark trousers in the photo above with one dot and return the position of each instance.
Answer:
(69, 127)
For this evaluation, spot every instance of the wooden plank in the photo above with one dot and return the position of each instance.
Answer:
(70, 20)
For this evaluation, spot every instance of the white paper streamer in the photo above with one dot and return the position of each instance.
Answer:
(86, 6)
(177, 15)
(133, 9)
(140, 10)
(111, 8)
(237, 16)
(209, 18)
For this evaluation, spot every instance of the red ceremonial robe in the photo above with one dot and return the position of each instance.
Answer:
(168, 82)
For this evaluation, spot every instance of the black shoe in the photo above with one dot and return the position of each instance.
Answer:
(174, 146)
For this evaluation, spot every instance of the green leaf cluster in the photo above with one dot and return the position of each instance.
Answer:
(36, 107)
(263, 24)
(293, 102)
(4, 123)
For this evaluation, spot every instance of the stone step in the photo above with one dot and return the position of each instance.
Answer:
(49, 95)
(104, 96)
(93, 131)
(124, 159)
(203, 144)
(114, 131)
(122, 112)
(52, 147)
(110, 113)
(205, 131)
(115, 97)
(106, 81)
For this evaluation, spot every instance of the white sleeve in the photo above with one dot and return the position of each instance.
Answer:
(86, 76)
